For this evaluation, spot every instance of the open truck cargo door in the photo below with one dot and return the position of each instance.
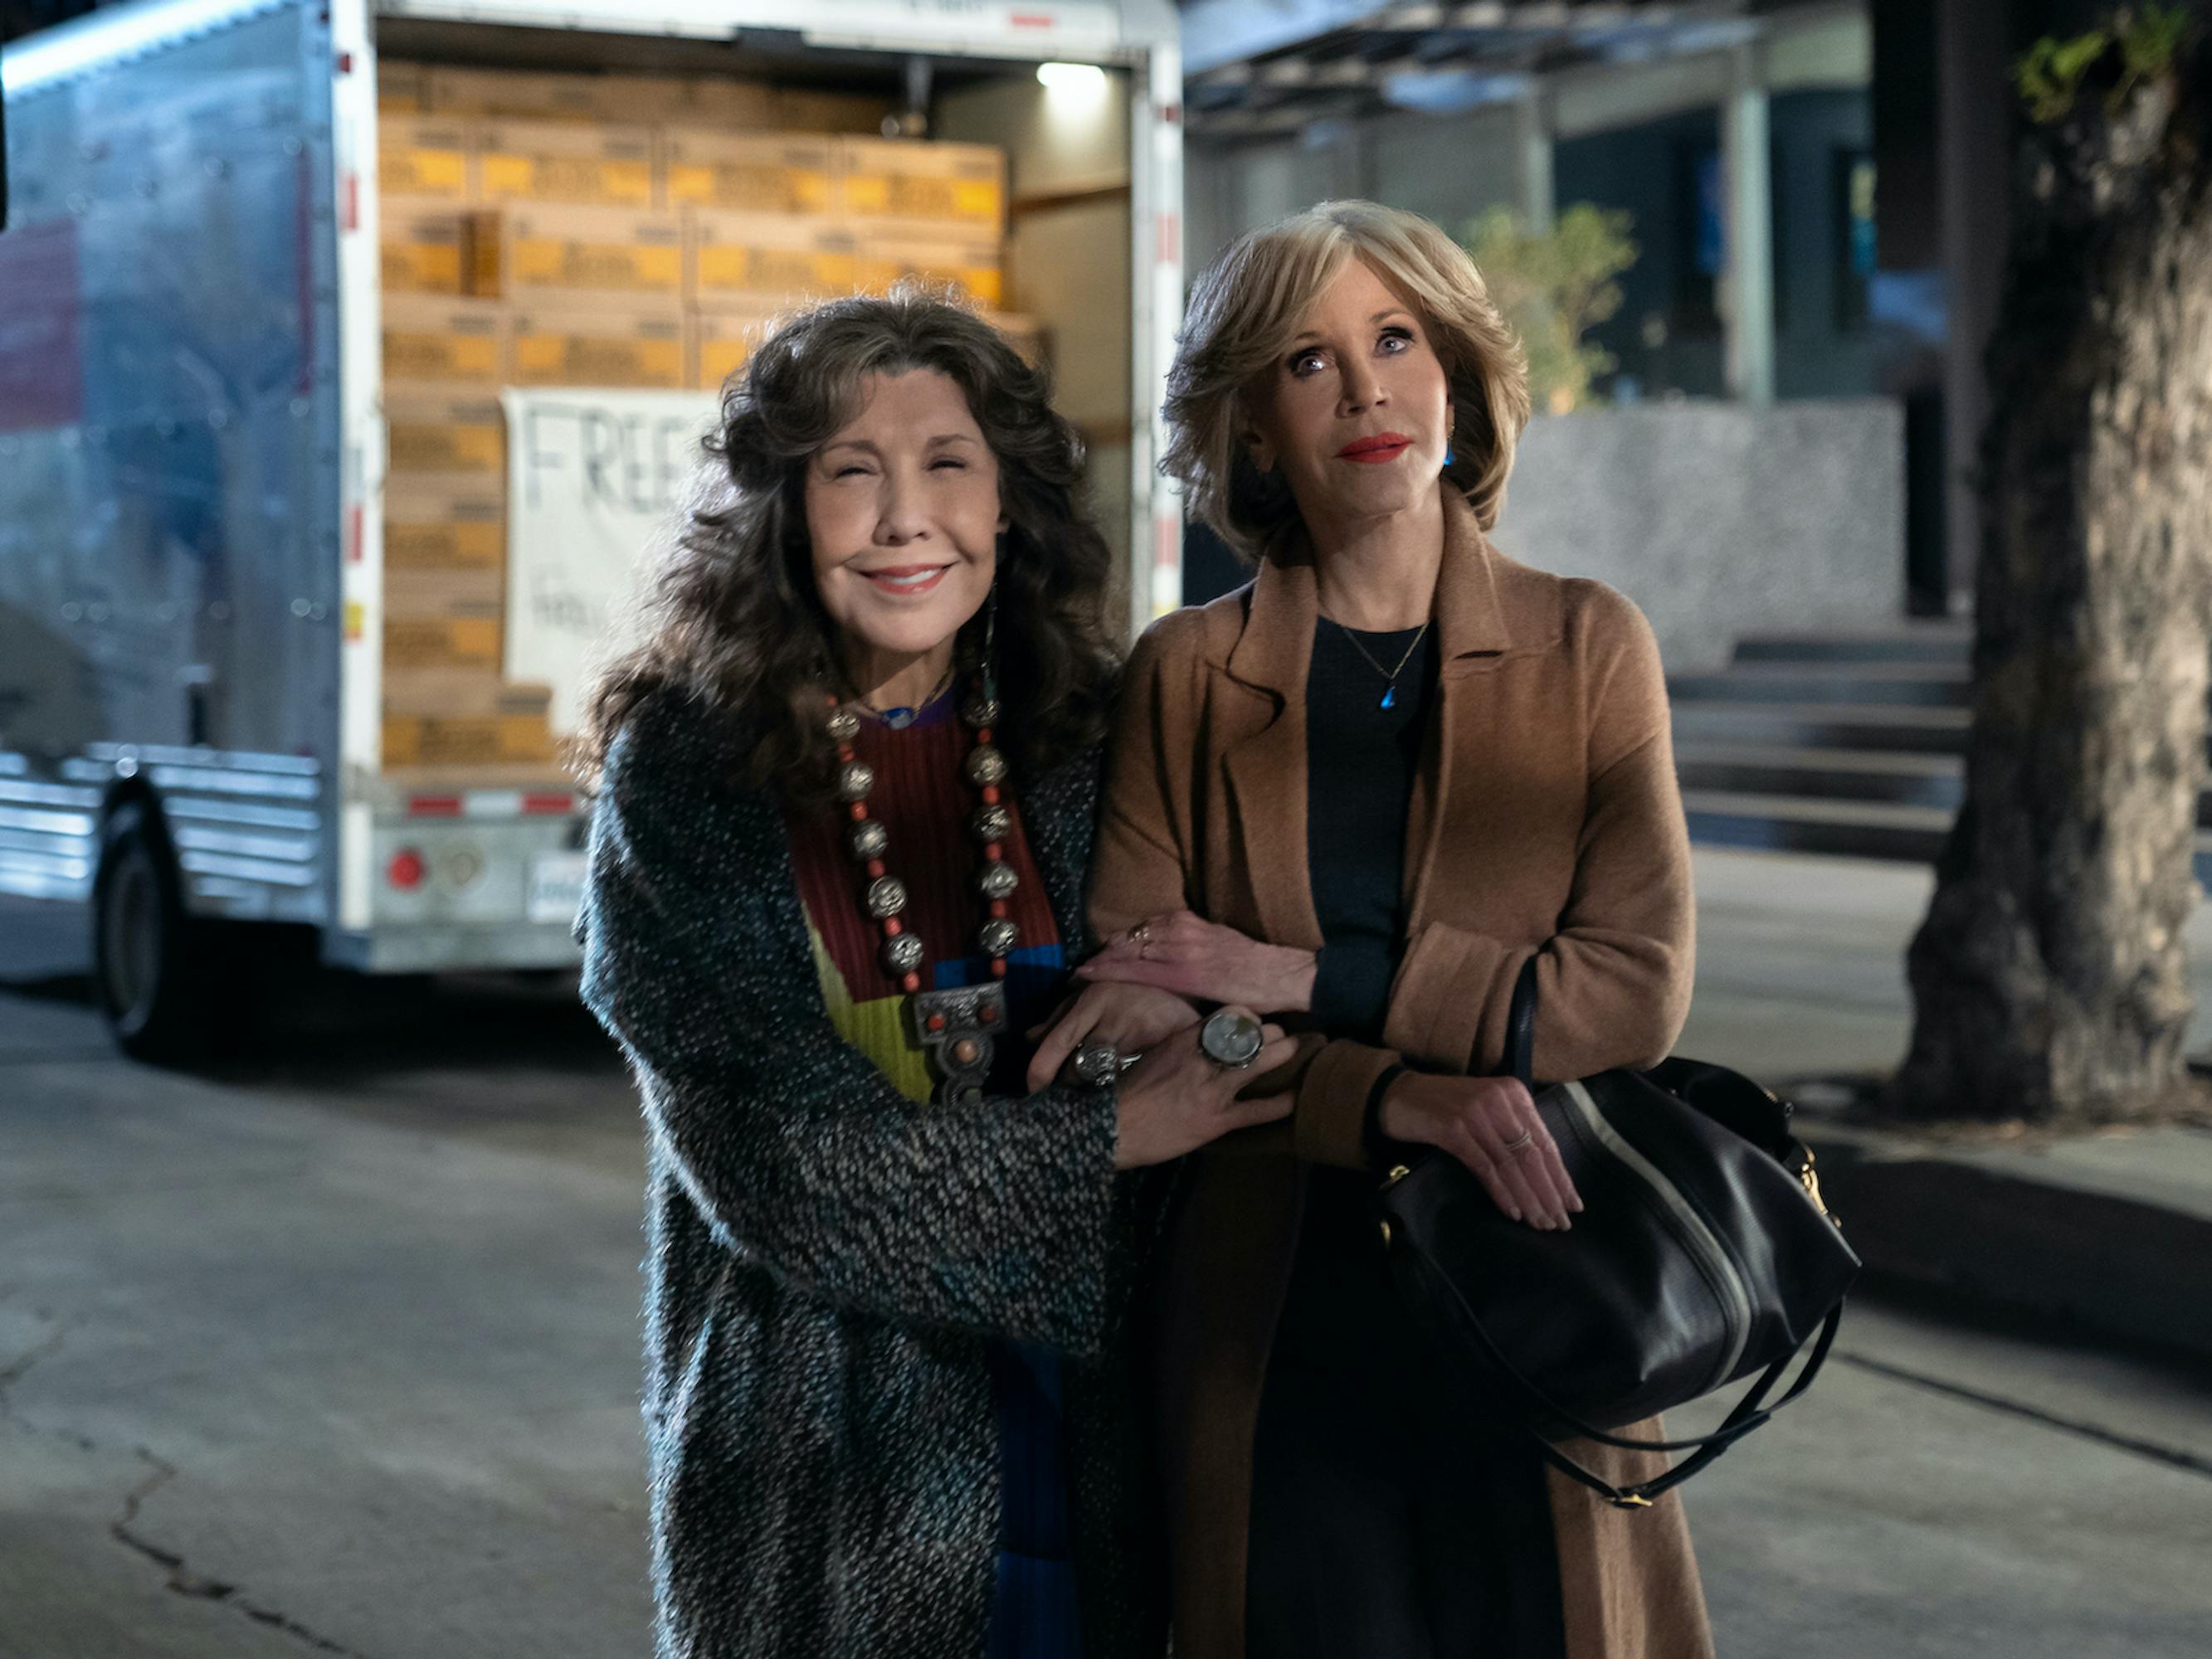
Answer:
(279, 669)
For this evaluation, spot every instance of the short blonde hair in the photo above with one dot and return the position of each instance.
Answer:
(1250, 305)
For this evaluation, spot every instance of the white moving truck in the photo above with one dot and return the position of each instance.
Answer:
(194, 446)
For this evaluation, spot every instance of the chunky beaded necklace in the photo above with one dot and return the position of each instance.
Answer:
(956, 1025)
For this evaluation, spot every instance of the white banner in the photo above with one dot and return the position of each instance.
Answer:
(597, 482)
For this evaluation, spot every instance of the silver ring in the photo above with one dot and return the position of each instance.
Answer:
(1521, 1143)
(1098, 1064)
(1231, 1038)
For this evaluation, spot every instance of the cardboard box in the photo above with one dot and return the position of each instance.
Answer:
(802, 110)
(506, 94)
(574, 254)
(422, 248)
(897, 184)
(586, 163)
(461, 692)
(732, 105)
(512, 93)
(605, 346)
(434, 338)
(740, 261)
(721, 342)
(413, 594)
(745, 172)
(426, 156)
(1025, 334)
(432, 525)
(973, 265)
(468, 739)
(401, 89)
(437, 440)
(411, 642)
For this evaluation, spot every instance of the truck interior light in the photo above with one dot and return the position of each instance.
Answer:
(1072, 77)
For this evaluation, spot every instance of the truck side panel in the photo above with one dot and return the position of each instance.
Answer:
(169, 613)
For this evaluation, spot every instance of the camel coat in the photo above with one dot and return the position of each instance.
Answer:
(1545, 821)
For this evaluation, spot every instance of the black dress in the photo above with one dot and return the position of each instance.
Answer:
(1392, 1518)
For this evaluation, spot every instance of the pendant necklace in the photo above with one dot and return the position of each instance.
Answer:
(1389, 675)
(900, 718)
(956, 1025)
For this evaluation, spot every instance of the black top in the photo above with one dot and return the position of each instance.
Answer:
(1360, 761)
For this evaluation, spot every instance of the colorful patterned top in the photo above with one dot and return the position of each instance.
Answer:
(925, 802)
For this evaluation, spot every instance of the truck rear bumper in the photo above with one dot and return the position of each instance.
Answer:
(453, 949)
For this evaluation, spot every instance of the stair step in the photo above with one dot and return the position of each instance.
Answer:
(1920, 780)
(1879, 830)
(1920, 684)
(1915, 727)
(1943, 642)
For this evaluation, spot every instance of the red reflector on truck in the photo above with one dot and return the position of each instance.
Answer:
(405, 870)
(561, 804)
(433, 806)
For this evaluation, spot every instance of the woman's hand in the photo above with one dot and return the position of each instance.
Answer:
(1133, 1018)
(1490, 1125)
(1185, 953)
(1177, 1099)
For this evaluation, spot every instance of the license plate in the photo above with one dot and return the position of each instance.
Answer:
(557, 887)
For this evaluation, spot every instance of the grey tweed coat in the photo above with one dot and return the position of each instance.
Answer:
(825, 1257)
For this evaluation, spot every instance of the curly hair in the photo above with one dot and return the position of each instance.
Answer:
(735, 625)
(1251, 304)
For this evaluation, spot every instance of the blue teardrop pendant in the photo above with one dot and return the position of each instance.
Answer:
(898, 719)
(1389, 696)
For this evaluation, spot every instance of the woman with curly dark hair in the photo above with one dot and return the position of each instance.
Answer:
(846, 791)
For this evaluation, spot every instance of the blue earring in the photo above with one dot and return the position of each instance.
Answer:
(1449, 455)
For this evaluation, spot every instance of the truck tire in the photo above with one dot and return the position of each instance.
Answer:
(149, 961)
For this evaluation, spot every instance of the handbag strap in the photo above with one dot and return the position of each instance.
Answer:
(1520, 1027)
(1748, 1415)
(1751, 1412)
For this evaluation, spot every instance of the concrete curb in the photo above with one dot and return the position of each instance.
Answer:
(2045, 1230)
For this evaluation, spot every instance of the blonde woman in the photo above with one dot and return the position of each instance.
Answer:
(1357, 795)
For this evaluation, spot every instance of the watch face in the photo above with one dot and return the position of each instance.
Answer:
(1231, 1038)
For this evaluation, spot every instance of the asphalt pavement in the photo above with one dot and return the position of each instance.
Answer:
(336, 1349)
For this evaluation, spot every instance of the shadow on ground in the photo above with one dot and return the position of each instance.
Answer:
(340, 1028)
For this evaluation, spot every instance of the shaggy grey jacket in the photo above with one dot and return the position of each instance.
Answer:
(826, 1257)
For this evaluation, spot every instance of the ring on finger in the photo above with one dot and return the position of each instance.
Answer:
(1098, 1064)
(1520, 1143)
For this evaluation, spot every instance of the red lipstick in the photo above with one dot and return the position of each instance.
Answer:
(1381, 447)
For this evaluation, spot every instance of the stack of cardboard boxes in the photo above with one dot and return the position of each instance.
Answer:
(614, 231)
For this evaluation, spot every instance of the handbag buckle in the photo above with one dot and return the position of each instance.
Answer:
(1810, 1180)
(1629, 1500)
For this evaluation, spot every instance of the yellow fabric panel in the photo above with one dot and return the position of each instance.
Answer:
(877, 1027)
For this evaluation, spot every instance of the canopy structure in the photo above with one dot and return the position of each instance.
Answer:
(1270, 70)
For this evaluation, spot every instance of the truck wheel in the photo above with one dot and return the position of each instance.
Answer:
(152, 980)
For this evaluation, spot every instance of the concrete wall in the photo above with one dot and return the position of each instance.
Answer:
(1721, 521)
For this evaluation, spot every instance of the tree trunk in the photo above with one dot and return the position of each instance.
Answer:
(2048, 978)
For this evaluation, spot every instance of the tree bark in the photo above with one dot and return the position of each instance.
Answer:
(2048, 978)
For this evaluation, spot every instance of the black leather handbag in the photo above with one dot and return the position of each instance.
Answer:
(1703, 1256)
